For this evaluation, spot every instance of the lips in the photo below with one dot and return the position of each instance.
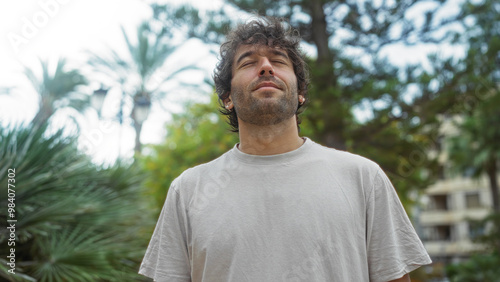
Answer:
(266, 84)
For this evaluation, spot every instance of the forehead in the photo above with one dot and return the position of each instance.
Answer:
(246, 50)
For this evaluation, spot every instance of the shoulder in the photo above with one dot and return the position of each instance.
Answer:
(191, 176)
(343, 159)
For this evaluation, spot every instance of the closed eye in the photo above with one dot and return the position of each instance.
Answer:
(246, 63)
(280, 62)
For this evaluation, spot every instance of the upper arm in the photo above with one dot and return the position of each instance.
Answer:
(167, 257)
(393, 246)
(405, 278)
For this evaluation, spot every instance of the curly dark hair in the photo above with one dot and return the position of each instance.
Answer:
(270, 31)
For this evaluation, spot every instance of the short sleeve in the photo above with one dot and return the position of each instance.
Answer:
(393, 246)
(167, 258)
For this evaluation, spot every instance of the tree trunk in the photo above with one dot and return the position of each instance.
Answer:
(137, 125)
(138, 129)
(319, 32)
(325, 81)
(493, 179)
(45, 111)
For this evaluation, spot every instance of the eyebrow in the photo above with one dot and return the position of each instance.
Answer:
(251, 52)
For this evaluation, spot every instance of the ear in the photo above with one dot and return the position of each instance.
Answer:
(228, 103)
(302, 100)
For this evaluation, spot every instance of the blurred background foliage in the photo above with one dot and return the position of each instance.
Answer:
(76, 221)
(79, 221)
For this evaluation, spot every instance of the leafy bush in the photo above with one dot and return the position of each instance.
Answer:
(75, 221)
(479, 268)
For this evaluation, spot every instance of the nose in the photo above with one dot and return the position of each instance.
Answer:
(266, 68)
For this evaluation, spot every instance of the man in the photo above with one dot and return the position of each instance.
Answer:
(278, 207)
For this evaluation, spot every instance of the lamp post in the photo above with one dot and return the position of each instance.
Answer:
(142, 108)
(97, 99)
(140, 112)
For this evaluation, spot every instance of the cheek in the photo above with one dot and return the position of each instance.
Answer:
(239, 81)
(291, 81)
(287, 76)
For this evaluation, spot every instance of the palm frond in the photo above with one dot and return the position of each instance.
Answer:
(168, 76)
(147, 55)
(76, 221)
(53, 86)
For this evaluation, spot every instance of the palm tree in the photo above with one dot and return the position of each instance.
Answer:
(75, 221)
(141, 75)
(58, 87)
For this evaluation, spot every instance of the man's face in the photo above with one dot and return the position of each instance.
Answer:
(264, 85)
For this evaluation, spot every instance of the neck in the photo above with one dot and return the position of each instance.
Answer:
(269, 140)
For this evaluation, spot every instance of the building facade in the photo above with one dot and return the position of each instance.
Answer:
(444, 221)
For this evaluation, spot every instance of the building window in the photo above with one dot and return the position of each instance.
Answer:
(438, 233)
(438, 202)
(472, 200)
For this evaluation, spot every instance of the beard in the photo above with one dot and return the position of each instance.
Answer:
(265, 111)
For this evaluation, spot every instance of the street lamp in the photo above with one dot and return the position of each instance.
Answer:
(97, 99)
(142, 109)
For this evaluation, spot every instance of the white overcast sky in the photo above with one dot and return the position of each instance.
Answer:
(50, 29)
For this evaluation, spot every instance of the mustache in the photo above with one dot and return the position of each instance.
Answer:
(272, 79)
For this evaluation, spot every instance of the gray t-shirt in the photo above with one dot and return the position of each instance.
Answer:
(312, 214)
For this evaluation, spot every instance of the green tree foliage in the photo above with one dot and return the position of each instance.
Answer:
(197, 136)
(457, 86)
(476, 149)
(75, 221)
(490, 238)
(57, 89)
(191, 23)
(479, 268)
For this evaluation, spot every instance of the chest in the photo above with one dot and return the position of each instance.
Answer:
(270, 211)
